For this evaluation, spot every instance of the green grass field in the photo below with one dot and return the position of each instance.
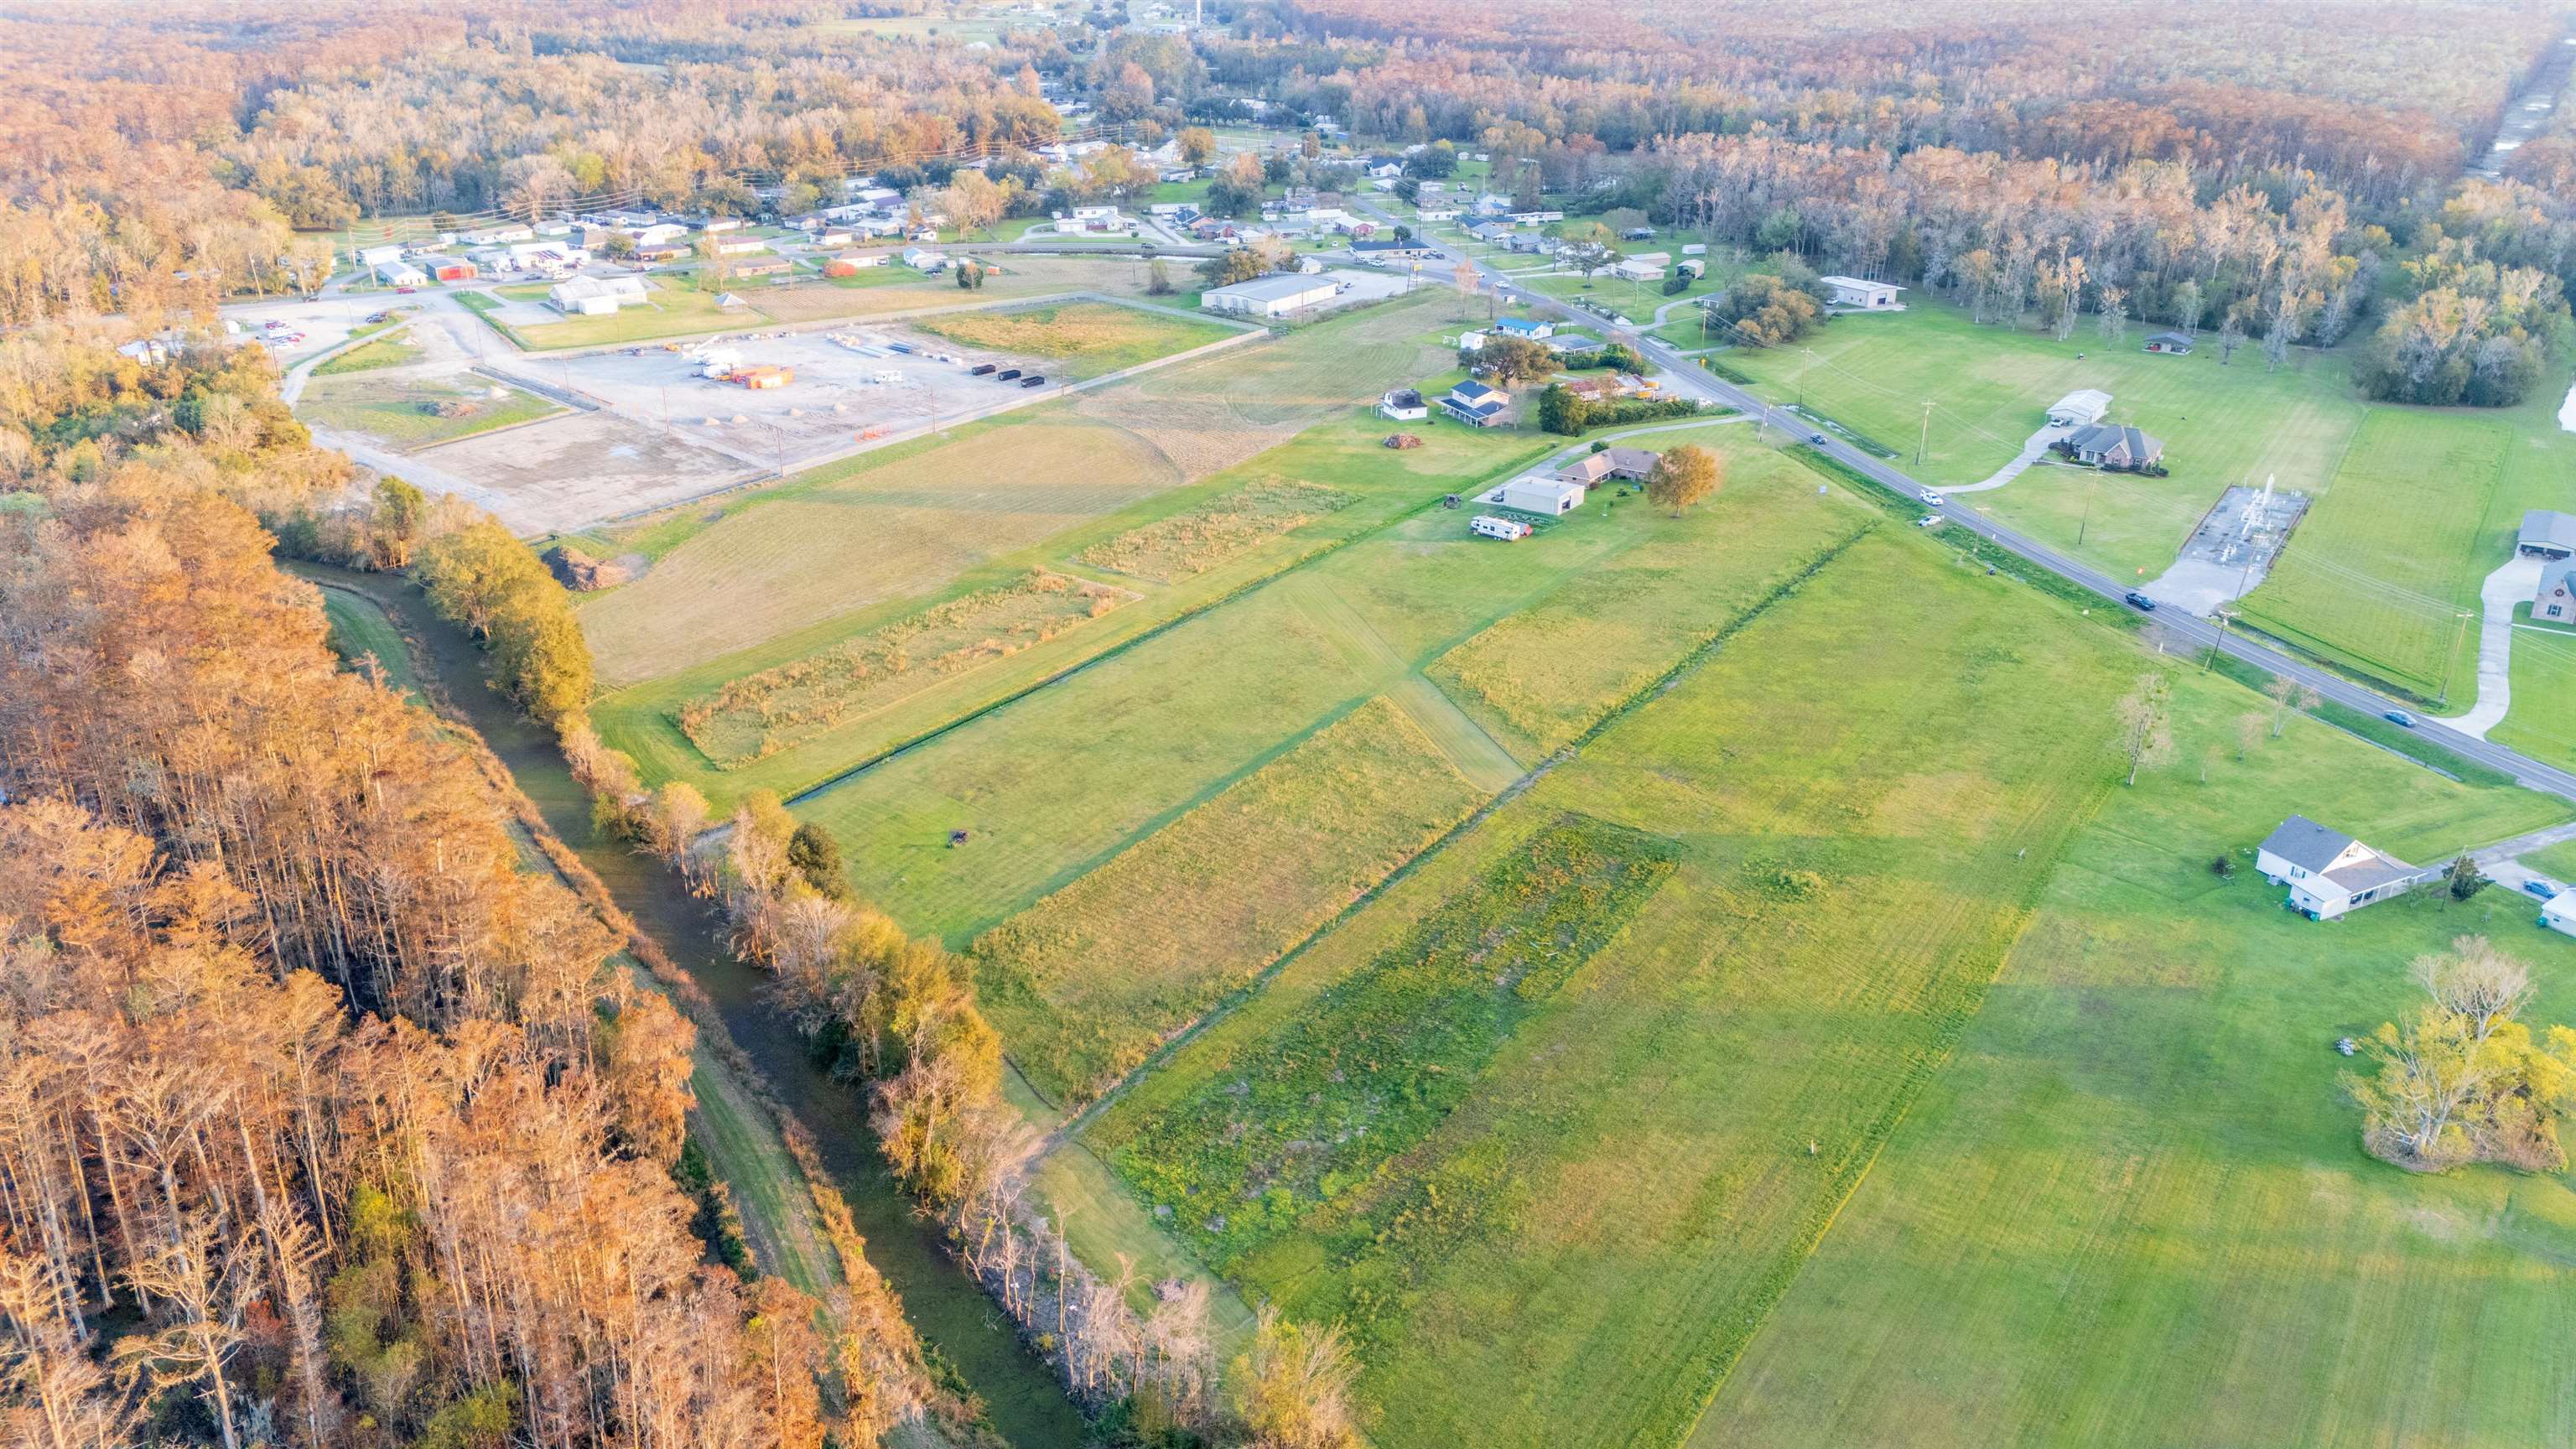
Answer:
(678, 308)
(2133, 1207)
(1083, 984)
(361, 631)
(368, 356)
(404, 412)
(1084, 339)
(1991, 388)
(2543, 721)
(1619, 1184)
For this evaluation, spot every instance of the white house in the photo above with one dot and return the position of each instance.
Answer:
(374, 257)
(924, 259)
(658, 233)
(1861, 296)
(399, 273)
(2328, 872)
(741, 247)
(1478, 405)
(595, 296)
(1541, 494)
(2084, 405)
(1274, 296)
(1403, 405)
(2558, 913)
(1438, 213)
(1643, 267)
(499, 235)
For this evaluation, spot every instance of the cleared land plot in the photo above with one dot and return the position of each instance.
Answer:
(891, 524)
(901, 289)
(903, 521)
(575, 469)
(1062, 781)
(2543, 721)
(1574, 1250)
(411, 413)
(2133, 1209)
(1541, 677)
(1186, 544)
(1085, 339)
(761, 714)
(2385, 563)
(1991, 388)
(1089, 980)
(1343, 455)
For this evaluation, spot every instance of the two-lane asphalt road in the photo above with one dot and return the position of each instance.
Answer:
(2191, 633)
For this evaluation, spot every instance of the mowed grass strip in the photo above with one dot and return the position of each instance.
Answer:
(1991, 387)
(1086, 338)
(761, 714)
(1865, 800)
(1542, 676)
(1088, 981)
(412, 413)
(368, 356)
(2383, 565)
(2133, 1209)
(1183, 545)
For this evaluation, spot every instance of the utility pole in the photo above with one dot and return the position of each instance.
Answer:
(2452, 659)
(2222, 616)
(2092, 485)
(1923, 439)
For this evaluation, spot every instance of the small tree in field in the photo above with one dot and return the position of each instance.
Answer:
(1683, 476)
(2146, 735)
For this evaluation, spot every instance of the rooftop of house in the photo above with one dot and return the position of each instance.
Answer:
(2550, 527)
(2108, 437)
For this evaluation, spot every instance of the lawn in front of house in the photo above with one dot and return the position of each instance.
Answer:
(2133, 1208)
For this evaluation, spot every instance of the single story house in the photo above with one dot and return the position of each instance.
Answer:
(499, 235)
(924, 259)
(848, 264)
(595, 296)
(2084, 405)
(1608, 386)
(2558, 913)
(1438, 213)
(659, 232)
(1859, 295)
(1273, 296)
(1643, 266)
(741, 247)
(1540, 494)
(400, 273)
(721, 223)
(1593, 469)
(1491, 233)
(1535, 218)
(1528, 329)
(1409, 249)
(2176, 343)
(2329, 872)
(661, 252)
(1403, 405)
(2555, 599)
(2109, 445)
(374, 257)
(2547, 533)
(837, 236)
(764, 267)
(1477, 404)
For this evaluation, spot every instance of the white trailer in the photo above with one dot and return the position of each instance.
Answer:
(1503, 528)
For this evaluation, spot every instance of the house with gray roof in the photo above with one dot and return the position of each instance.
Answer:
(2109, 445)
(2329, 873)
(1593, 469)
(2554, 602)
(2547, 534)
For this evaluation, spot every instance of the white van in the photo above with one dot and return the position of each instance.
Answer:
(1502, 528)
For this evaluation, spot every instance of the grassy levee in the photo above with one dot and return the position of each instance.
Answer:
(2133, 1208)
(364, 637)
(1573, 1252)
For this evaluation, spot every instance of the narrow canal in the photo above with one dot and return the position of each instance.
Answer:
(948, 1310)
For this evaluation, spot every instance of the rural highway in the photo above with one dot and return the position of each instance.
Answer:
(2191, 634)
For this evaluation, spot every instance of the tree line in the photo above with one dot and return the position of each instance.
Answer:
(323, 1119)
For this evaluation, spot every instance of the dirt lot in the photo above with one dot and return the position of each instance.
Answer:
(587, 466)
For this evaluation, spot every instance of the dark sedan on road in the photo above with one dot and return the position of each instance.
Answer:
(2141, 602)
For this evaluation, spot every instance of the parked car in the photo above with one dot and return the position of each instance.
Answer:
(1931, 499)
(406, 291)
(1037, 381)
(2141, 602)
(1006, 374)
(275, 324)
(2399, 717)
(984, 370)
(1927, 520)
(2542, 888)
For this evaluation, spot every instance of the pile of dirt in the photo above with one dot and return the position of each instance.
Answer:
(1403, 440)
(581, 573)
(452, 408)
